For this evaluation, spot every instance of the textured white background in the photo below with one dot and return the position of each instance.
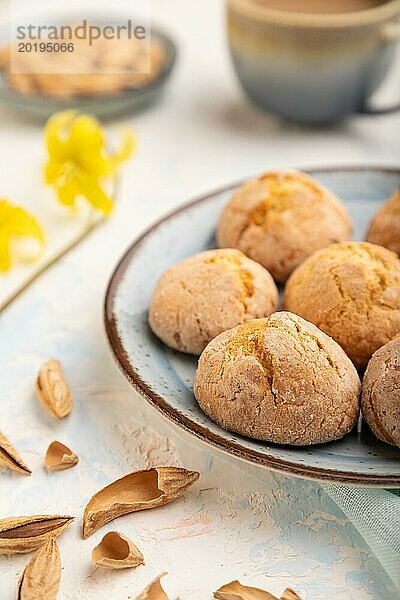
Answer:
(238, 521)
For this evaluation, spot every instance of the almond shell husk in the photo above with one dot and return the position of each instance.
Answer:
(139, 490)
(59, 457)
(10, 457)
(154, 591)
(234, 590)
(41, 577)
(116, 551)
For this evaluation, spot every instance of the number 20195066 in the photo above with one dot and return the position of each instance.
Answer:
(46, 47)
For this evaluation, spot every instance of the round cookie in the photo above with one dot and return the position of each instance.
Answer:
(279, 379)
(380, 401)
(352, 292)
(384, 228)
(280, 219)
(206, 294)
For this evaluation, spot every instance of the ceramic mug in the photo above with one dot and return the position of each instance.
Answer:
(313, 67)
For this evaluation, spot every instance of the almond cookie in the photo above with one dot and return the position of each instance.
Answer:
(109, 66)
(279, 379)
(206, 294)
(352, 292)
(380, 402)
(384, 228)
(280, 219)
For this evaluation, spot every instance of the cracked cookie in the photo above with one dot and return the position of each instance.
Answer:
(384, 228)
(279, 379)
(206, 294)
(380, 402)
(281, 218)
(352, 292)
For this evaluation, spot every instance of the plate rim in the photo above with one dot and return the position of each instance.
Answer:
(175, 416)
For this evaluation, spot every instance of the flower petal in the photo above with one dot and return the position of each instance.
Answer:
(128, 144)
(55, 132)
(97, 197)
(78, 162)
(85, 132)
(15, 221)
(5, 255)
(68, 192)
(23, 224)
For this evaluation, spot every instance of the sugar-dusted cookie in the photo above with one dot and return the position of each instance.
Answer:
(206, 294)
(352, 292)
(279, 379)
(280, 218)
(380, 402)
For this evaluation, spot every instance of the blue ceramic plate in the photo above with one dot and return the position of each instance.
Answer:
(165, 377)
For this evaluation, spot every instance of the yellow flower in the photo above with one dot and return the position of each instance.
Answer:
(15, 222)
(78, 163)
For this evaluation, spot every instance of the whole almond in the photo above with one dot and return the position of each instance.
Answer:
(24, 534)
(53, 390)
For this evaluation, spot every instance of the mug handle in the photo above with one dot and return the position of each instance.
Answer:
(390, 33)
